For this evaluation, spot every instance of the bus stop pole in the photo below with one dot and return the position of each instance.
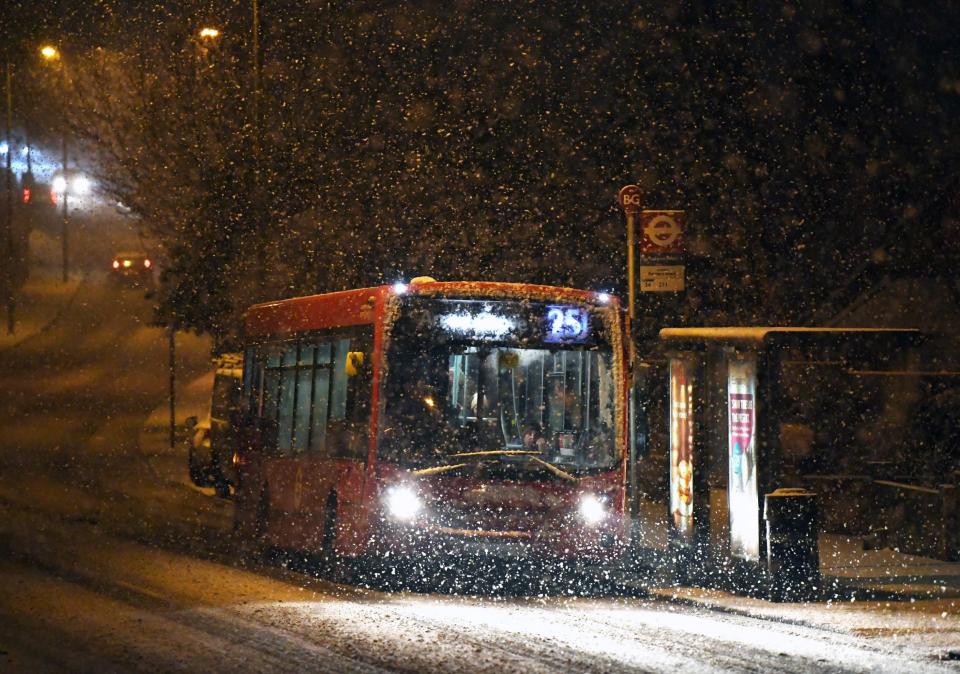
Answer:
(632, 360)
(630, 198)
(631, 289)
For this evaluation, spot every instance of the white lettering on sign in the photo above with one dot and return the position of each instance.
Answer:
(630, 199)
(567, 324)
(484, 324)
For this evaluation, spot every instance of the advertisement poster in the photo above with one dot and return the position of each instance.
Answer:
(681, 447)
(744, 502)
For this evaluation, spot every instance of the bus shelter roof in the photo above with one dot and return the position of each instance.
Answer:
(766, 337)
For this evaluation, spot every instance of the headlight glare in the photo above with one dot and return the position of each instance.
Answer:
(593, 509)
(403, 503)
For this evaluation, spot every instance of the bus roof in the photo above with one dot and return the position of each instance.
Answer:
(358, 307)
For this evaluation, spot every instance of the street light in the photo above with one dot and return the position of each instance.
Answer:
(51, 54)
(209, 33)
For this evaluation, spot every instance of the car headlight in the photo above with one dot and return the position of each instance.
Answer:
(593, 509)
(403, 503)
(80, 185)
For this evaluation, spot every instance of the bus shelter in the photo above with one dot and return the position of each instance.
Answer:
(744, 408)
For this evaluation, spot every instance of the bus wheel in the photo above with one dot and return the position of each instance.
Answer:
(262, 522)
(197, 476)
(334, 567)
(221, 487)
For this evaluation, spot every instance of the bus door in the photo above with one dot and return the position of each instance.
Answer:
(281, 466)
(321, 417)
(348, 431)
(302, 474)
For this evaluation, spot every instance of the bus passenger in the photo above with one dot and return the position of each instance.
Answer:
(533, 439)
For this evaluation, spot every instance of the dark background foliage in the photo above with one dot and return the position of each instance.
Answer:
(809, 142)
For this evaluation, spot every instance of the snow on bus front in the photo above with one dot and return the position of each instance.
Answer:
(499, 431)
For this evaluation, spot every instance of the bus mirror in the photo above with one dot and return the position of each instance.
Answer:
(354, 363)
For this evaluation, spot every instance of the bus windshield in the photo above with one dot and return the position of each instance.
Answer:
(515, 381)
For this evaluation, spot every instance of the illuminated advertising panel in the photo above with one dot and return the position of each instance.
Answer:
(681, 447)
(742, 494)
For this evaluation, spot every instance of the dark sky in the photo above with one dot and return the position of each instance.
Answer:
(803, 139)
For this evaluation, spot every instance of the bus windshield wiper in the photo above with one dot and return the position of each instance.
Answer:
(433, 470)
(553, 468)
(532, 455)
(494, 452)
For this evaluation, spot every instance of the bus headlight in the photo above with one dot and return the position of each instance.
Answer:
(593, 509)
(403, 503)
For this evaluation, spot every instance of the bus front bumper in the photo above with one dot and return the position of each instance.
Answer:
(449, 545)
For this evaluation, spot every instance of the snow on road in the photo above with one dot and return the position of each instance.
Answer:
(106, 564)
(80, 599)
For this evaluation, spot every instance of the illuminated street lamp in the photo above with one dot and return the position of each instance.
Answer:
(51, 54)
(208, 33)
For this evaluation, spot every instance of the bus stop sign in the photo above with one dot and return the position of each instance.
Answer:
(661, 233)
(630, 197)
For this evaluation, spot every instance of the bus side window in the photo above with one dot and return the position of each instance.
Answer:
(321, 400)
(252, 382)
(304, 398)
(249, 358)
(338, 394)
(285, 400)
(349, 402)
(271, 392)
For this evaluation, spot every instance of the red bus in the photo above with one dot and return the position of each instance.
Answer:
(436, 419)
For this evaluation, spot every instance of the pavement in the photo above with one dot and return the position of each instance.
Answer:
(882, 594)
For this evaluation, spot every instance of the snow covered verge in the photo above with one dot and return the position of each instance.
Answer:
(909, 601)
(42, 299)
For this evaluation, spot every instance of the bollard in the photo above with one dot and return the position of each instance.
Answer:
(793, 553)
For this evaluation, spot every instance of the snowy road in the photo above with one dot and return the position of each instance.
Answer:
(107, 565)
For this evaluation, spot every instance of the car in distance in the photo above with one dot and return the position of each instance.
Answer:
(212, 447)
(132, 268)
